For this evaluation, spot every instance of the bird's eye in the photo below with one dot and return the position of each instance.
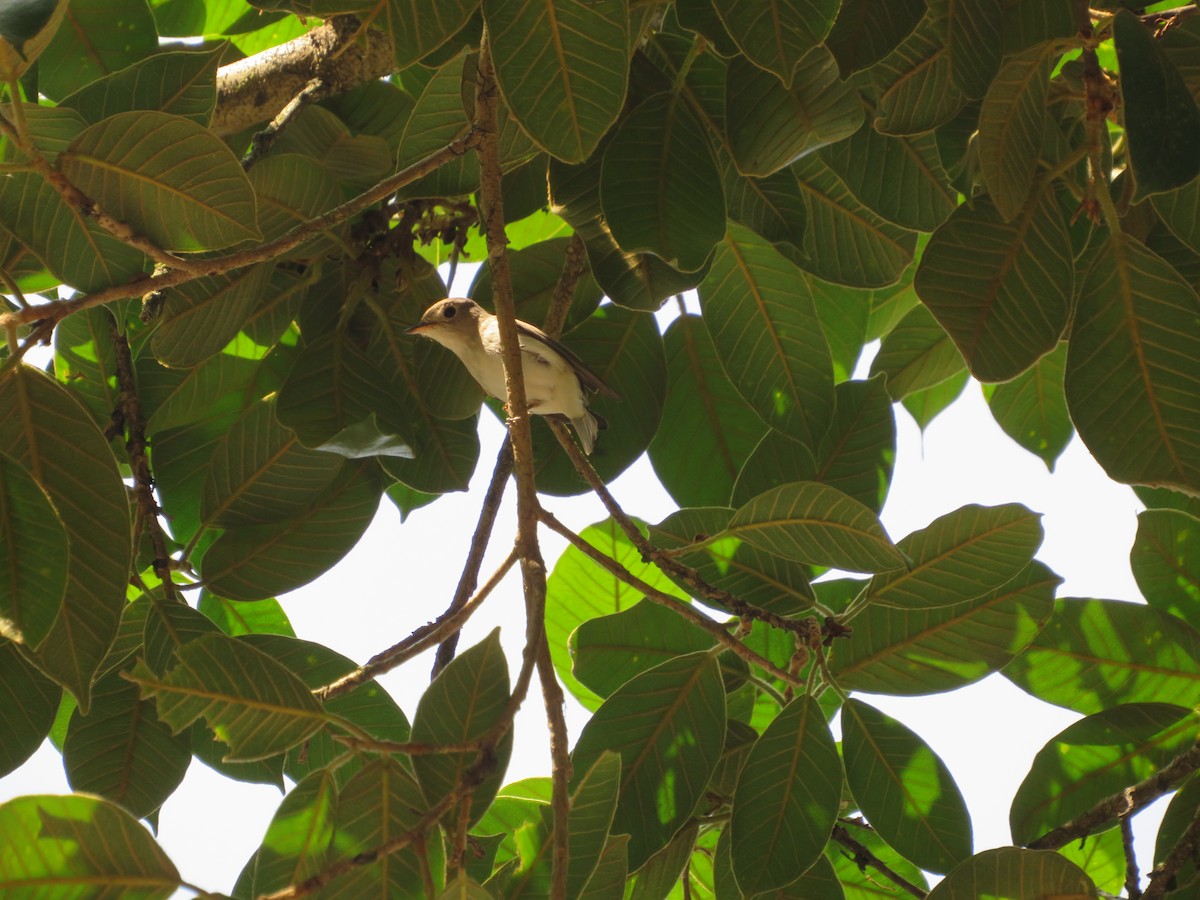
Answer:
(449, 312)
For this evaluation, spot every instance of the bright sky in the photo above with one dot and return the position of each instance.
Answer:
(402, 575)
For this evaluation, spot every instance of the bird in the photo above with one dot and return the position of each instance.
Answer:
(557, 382)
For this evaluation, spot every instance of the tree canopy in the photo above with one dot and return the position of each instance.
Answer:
(221, 218)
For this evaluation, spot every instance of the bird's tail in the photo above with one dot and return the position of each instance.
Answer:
(587, 427)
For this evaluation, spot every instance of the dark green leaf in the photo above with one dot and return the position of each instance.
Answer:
(95, 38)
(181, 83)
(1133, 366)
(904, 789)
(917, 355)
(1166, 561)
(865, 32)
(1162, 121)
(786, 799)
(1013, 872)
(969, 30)
(1032, 408)
(776, 34)
(299, 837)
(28, 702)
(645, 721)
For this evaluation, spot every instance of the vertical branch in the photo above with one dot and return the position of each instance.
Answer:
(533, 569)
(1098, 103)
(143, 480)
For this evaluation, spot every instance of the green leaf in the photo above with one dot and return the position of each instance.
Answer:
(55, 845)
(915, 83)
(776, 34)
(916, 355)
(786, 799)
(1180, 812)
(50, 435)
(770, 126)
(707, 430)
(633, 280)
(253, 562)
(925, 651)
(417, 29)
(1011, 125)
(76, 249)
(535, 271)
(1013, 872)
(659, 185)
(85, 360)
(562, 67)
(765, 329)
(380, 802)
(183, 83)
(1162, 121)
(437, 119)
(678, 703)
(900, 178)
(297, 843)
(261, 473)
(969, 29)
(290, 189)
(855, 454)
(1132, 368)
(96, 37)
(1032, 408)
(816, 524)
(578, 589)
(610, 650)
(1093, 654)
(593, 803)
(356, 161)
(1001, 290)
(236, 618)
(904, 789)
(167, 177)
(926, 405)
(122, 752)
(28, 702)
(462, 705)
(961, 556)
(249, 701)
(608, 880)
(33, 544)
(865, 32)
(772, 206)
(368, 705)
(1166, 561)
(732, 564)
(1180, 210)
(1095, 758)
(202, 316)
(848, 243)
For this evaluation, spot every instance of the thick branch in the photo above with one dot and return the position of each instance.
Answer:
(255, 89)
(1125, 803)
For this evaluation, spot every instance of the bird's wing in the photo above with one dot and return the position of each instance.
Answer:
(587, 377)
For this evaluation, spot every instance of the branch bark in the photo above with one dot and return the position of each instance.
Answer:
(257, 88)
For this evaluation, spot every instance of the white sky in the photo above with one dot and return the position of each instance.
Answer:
(400, 576)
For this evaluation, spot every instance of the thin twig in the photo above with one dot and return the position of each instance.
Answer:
(143, 479)
(479, 543)
(574, 262)
(1126, 802)
(57, 310)
(265, 139)
(418, 642)
(716, 629)
(1163, 875)
(863, 857)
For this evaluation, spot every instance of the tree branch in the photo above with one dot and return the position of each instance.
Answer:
(57, 310)
(420, 640)
(716, 629)
(479, 544)
(255, 89)
(1125, 803)
(1163, 874)
(863, 857)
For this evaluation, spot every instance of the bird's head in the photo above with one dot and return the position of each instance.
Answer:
(453, 322)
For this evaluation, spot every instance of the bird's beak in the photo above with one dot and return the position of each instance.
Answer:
(416, 329)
